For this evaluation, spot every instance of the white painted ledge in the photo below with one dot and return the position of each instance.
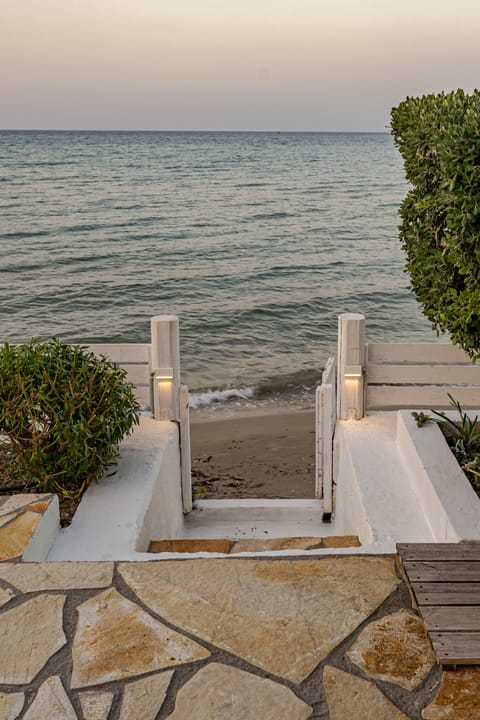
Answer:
(114, 519)
(394, 483)
(376, 491)
(446, 497)
(44, 535)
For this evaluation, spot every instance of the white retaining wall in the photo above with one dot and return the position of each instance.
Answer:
(114, 519)
(446, 496)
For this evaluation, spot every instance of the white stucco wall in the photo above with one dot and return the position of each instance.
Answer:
(44, 535)
(446, 496)
(114, 518)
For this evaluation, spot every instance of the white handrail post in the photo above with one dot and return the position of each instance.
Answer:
(165, 366)
(319, 442)
(185, 453)
(325, 417)
(351, 362)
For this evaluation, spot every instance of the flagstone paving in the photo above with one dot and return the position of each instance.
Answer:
(317, 638)
(19, 517)
(276, 615)
(458, 697)
(396, 649)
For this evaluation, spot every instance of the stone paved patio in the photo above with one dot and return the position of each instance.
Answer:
(325, 638)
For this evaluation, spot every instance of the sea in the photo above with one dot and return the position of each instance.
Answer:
(256, 240)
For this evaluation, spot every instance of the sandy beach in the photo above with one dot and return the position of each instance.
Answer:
(257, 453)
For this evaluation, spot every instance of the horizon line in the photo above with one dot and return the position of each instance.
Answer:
(276, 132)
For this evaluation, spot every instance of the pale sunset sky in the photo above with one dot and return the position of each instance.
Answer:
(229, 64)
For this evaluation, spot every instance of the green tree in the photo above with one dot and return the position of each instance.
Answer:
(439, 139)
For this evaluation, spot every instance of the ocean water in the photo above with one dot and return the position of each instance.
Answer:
(256, 240)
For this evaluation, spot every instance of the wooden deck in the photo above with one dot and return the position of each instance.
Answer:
(444, 580)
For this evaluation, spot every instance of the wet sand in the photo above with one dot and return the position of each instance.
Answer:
(257, 453)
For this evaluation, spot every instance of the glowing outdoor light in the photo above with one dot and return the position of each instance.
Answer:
(164, 374)
(353, 371)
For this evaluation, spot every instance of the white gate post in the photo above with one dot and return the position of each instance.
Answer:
(166, 367)
(351, 361)
(185, 453)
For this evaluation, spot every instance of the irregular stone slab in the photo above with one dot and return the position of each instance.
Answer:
(28, 577)
(116, 639)
(458, 697)
(190, 546)
(5, 596)
(11, 705)
(29, 635)
(395, 648)
(4, 519)
(284, 616)
(338, 541)
(143, 699)
(218, 692)
(16, 502)
(350, 697)
(40, 506)
(272, 544)
(15, 536)
(52, 702)
(96, 705)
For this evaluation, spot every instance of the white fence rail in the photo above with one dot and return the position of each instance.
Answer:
(388, 376)
(134, 358)
(325, 417)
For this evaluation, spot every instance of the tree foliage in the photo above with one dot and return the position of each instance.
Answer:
(439, 139)
(63, 412)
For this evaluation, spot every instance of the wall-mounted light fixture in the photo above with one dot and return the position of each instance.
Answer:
(353, 371)
(163, 374)
(162, 394)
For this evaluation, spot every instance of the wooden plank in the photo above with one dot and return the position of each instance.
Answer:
(423, 374)
(456, 648)
(326, 394)
(452, 618)
(143, 396)
(381, 397)
(137, 374)
(123, 352)
(443, 571)
(416, 353)
(185, 450)
(439, 551)
(461, 593)
(328, 375)
(318, 443)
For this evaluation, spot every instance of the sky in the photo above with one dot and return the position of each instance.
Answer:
(312, 65)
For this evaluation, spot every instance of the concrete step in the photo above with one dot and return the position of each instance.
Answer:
(258, 518)
(231, 547)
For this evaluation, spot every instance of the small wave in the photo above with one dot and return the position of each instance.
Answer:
(211, 397)
(272, 216)
(253, 184)
(28, 234)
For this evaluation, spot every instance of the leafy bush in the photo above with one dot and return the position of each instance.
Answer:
(63, 412)
(439, 139)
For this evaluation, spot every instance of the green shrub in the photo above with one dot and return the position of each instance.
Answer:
(63, 412)
(439, 139)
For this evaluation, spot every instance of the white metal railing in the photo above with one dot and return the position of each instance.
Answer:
(325, 418)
